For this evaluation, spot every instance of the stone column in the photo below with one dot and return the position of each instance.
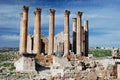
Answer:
(74, 34)
(37, 32)
(51, 32)
(83, 41)
(66, 32)
(79, 33)
(86, 37)
(23, 30)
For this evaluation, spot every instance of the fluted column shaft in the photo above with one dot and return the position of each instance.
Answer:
(79, 33)
(23, 30)
(74, 34)
(66, 32)
(51, 32)
(37, 31)
(86, 30)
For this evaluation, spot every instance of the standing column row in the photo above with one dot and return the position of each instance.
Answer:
(23, 30)
(80, 36)
(81, 39)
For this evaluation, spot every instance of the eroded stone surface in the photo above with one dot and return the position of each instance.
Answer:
(25, 63)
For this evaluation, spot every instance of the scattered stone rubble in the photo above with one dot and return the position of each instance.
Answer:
(76, 69)
(88, 69)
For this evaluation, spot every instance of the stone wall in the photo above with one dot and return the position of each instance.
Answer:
(58, 39)
(44, 44)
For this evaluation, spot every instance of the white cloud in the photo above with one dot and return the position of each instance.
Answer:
(96, 16)
(106, 40)
(9, 16)
(10, 37)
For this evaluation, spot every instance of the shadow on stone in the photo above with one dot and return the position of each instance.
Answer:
(39, 67)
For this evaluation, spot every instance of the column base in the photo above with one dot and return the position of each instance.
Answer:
(25, 63)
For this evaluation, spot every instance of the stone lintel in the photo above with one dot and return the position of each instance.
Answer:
(66, 12)
(25, 8)
(79, 13)
(52, 11)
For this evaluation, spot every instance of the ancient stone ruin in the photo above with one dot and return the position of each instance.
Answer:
(34, 43)
(59, 57)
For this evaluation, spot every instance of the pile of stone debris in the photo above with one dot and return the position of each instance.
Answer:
(84, 69)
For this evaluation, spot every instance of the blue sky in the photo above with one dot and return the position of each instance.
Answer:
(103, 17)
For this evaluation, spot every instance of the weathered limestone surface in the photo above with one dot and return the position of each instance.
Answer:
(66, 32)
(74, 34)
(86, 32)
(37, 32)
(92, 75)
(59, 65)
(106, 62)
(61, 62)
(25, 63)
(79, 33)
(51, 32)
(23, 30)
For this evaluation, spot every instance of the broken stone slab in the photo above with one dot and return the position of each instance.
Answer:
(92, 76)
(61, 61)
(106, 62)
(91, 64)
(59, 65)
(79, 68)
